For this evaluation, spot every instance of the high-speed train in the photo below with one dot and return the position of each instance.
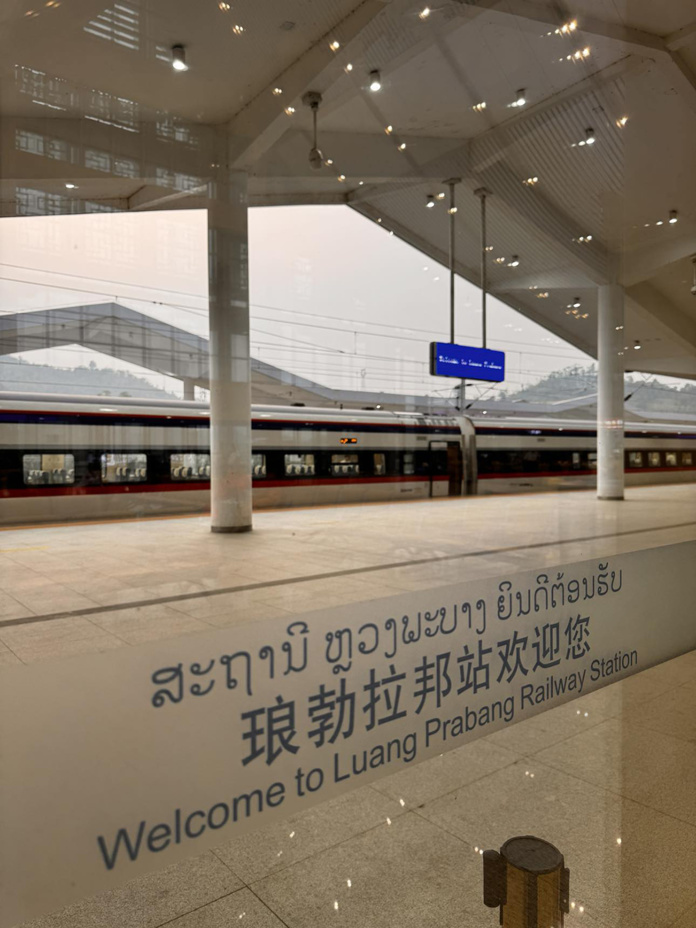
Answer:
(71, 458)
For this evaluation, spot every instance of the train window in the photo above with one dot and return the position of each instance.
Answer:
(345, 465)
(299, 465)
(258, 465)
(48, 469)
(408, 465)
(592, 460)
(380, 464)
(671, 458)
(189, 466)
(654, 458)
(687, 458)
(123, 468)
(635, 458)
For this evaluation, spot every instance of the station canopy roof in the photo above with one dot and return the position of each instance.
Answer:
(90, 76)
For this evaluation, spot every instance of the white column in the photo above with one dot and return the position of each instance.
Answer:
(610, 393)
(230, 366)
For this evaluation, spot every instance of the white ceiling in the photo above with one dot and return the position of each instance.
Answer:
(92, 60)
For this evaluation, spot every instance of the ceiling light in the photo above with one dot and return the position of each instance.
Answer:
(224, 6)
(532, 287)
(402, 147)
(375, 81)
(71, 186)
(659, 222)
(441, 195)
(567, 28)
(179, 58)
(530, 181)
(514, 261)
(500, 260)
(424, 13)
(289, 110)
(389, 129)
(621, 121)
(452, 210)
(576, 302)
(431, 201)
(586, 52)
(328, 162)
(589, 137)
(342, 177)
(277, 91)
(543, 295)
(479, 106)
(489, 248)
(237, 29)
(520, 98)
(588, 238)
(673, 217)
(348, 67)
(334, 46)
(637, 346)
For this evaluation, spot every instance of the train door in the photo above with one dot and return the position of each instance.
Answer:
(446, 468)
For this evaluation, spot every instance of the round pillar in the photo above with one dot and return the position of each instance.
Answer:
(610, 393)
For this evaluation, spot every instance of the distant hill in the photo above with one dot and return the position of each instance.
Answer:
(25, 377)
(577, 381)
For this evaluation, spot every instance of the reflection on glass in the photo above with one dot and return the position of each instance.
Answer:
(189, 466)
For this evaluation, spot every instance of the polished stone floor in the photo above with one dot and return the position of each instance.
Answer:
(610, 778)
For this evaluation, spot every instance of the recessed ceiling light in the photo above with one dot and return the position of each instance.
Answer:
(289, 110)
(375, 81)
(425, 12)
(179, 58)
(673, 216)
(335, 45)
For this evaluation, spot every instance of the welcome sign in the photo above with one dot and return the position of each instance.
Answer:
(120, 763)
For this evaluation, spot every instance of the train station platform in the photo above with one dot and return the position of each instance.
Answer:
(610, 777)
(74, 589)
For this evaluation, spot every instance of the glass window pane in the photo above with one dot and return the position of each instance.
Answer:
(635, 458)
(654, 458)
(48, 469)
(258, 465)
(407, 464)
(190, 466)
(127, 467)
(344, 465)
(687, 458)
(671, 458)
(299, 465)
(380, 465)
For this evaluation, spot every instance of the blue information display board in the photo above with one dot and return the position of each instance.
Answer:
(447, 360)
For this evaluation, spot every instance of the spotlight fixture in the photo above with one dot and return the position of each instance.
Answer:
(289, 110)
(389, 129)
(673, 217)
(589, 137)
(431, 201)
(520, 98)
(312, 99)
(514, 261)
(441, 195)
(237, 29)
(452, 210)
(402, 147)
(621, 121)
(576, 303)
(489, 248)
(328, 162)
(567, 28)
(424, 13)
(375, 81)
(479, 107)
(342, 177)
(179, 58)
(224, 6)
(544, 295)
(500, 260)
(348, 68)
(530, 181)
(334, 46)
(71, 186)
(277, 91)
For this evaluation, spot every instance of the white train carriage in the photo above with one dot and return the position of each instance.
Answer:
(72, 458)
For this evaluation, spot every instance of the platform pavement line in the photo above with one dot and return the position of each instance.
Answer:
(308, 578)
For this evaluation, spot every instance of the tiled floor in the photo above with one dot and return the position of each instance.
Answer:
(614, 785)
(405, 851)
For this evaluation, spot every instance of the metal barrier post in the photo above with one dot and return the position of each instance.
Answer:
(528, 880)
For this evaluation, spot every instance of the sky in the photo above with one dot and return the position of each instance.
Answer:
(333, 296)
